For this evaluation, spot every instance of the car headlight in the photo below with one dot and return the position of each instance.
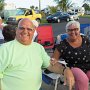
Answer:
(71, 17)
(46, 17)
(14, 19)
(54, 17)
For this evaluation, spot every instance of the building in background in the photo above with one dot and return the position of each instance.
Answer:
(9, 10)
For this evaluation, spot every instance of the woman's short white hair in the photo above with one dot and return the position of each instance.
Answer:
(72, 22)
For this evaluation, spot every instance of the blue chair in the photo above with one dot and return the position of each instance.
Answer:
(85, 29)
(49, 78)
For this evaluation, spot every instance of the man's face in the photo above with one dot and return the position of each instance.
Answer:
(73, 32)
(24, 32)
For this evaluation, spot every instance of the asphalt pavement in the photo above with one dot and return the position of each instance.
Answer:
(59, 28)
(60, 87)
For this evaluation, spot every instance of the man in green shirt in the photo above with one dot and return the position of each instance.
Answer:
(21, 61)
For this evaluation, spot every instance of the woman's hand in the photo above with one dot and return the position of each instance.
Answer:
(53, 61)
(69, 78)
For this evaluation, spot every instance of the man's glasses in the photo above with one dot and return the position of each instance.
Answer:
(29, 29)
(75, 30)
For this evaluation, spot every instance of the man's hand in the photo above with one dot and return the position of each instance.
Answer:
(69, 78)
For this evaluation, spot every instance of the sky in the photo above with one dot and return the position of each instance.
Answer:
(44, 3)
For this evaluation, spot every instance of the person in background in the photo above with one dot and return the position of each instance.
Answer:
(22, 61)
(1, 28)
(36, 24)
(9, 32)
(75, 50)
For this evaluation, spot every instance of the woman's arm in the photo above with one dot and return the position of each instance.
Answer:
(56, 54)
(58, 68)
(55, 57)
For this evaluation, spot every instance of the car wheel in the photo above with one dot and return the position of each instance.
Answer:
(38, 20)
(67, 19)
(48, 21)
(78, 18)
(58, 20)
(19, 20)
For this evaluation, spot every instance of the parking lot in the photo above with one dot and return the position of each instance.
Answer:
(59, 28)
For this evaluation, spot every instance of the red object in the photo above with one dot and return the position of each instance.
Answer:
(45, 36)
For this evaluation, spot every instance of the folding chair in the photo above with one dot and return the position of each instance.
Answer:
(49, 77)
(85, 29)
(45, 36)
(61, 37)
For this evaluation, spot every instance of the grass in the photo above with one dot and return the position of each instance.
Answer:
(87, 16)
(44, 20)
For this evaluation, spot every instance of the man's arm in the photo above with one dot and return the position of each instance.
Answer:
(56, 68)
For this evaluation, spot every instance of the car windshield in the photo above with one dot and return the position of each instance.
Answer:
(56, 14)
(20, 11)
(71, 13)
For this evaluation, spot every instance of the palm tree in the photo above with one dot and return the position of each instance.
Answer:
(1, 1)
(86, 1)
(32, 7)
(1, 4)
(64, 4)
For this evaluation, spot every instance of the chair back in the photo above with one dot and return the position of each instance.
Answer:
(45, 36)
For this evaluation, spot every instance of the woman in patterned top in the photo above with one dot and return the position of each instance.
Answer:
(75, 50)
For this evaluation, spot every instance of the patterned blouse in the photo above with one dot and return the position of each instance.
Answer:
(76, 57)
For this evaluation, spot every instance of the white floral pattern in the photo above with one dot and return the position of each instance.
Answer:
(75, 57)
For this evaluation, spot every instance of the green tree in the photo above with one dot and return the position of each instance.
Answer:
(36, 8)
(1, 4)
(86, 6)
(64, 4)
(86, 0)
(32, 7)
(53, 9)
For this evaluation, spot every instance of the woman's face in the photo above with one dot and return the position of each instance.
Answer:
(73, 32)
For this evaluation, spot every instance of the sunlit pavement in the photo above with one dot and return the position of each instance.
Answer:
(51, 87)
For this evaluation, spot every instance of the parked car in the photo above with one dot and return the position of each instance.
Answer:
(74, 15)
(58, 17)
(24, 13)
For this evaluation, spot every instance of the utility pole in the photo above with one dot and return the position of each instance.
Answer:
(40, 5)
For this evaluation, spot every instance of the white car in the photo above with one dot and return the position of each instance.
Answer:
(74, 15)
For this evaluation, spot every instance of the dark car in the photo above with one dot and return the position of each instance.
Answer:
(58, 17)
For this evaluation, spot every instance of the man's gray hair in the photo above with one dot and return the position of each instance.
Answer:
(73, 22)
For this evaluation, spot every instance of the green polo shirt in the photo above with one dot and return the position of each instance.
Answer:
(21, 65)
